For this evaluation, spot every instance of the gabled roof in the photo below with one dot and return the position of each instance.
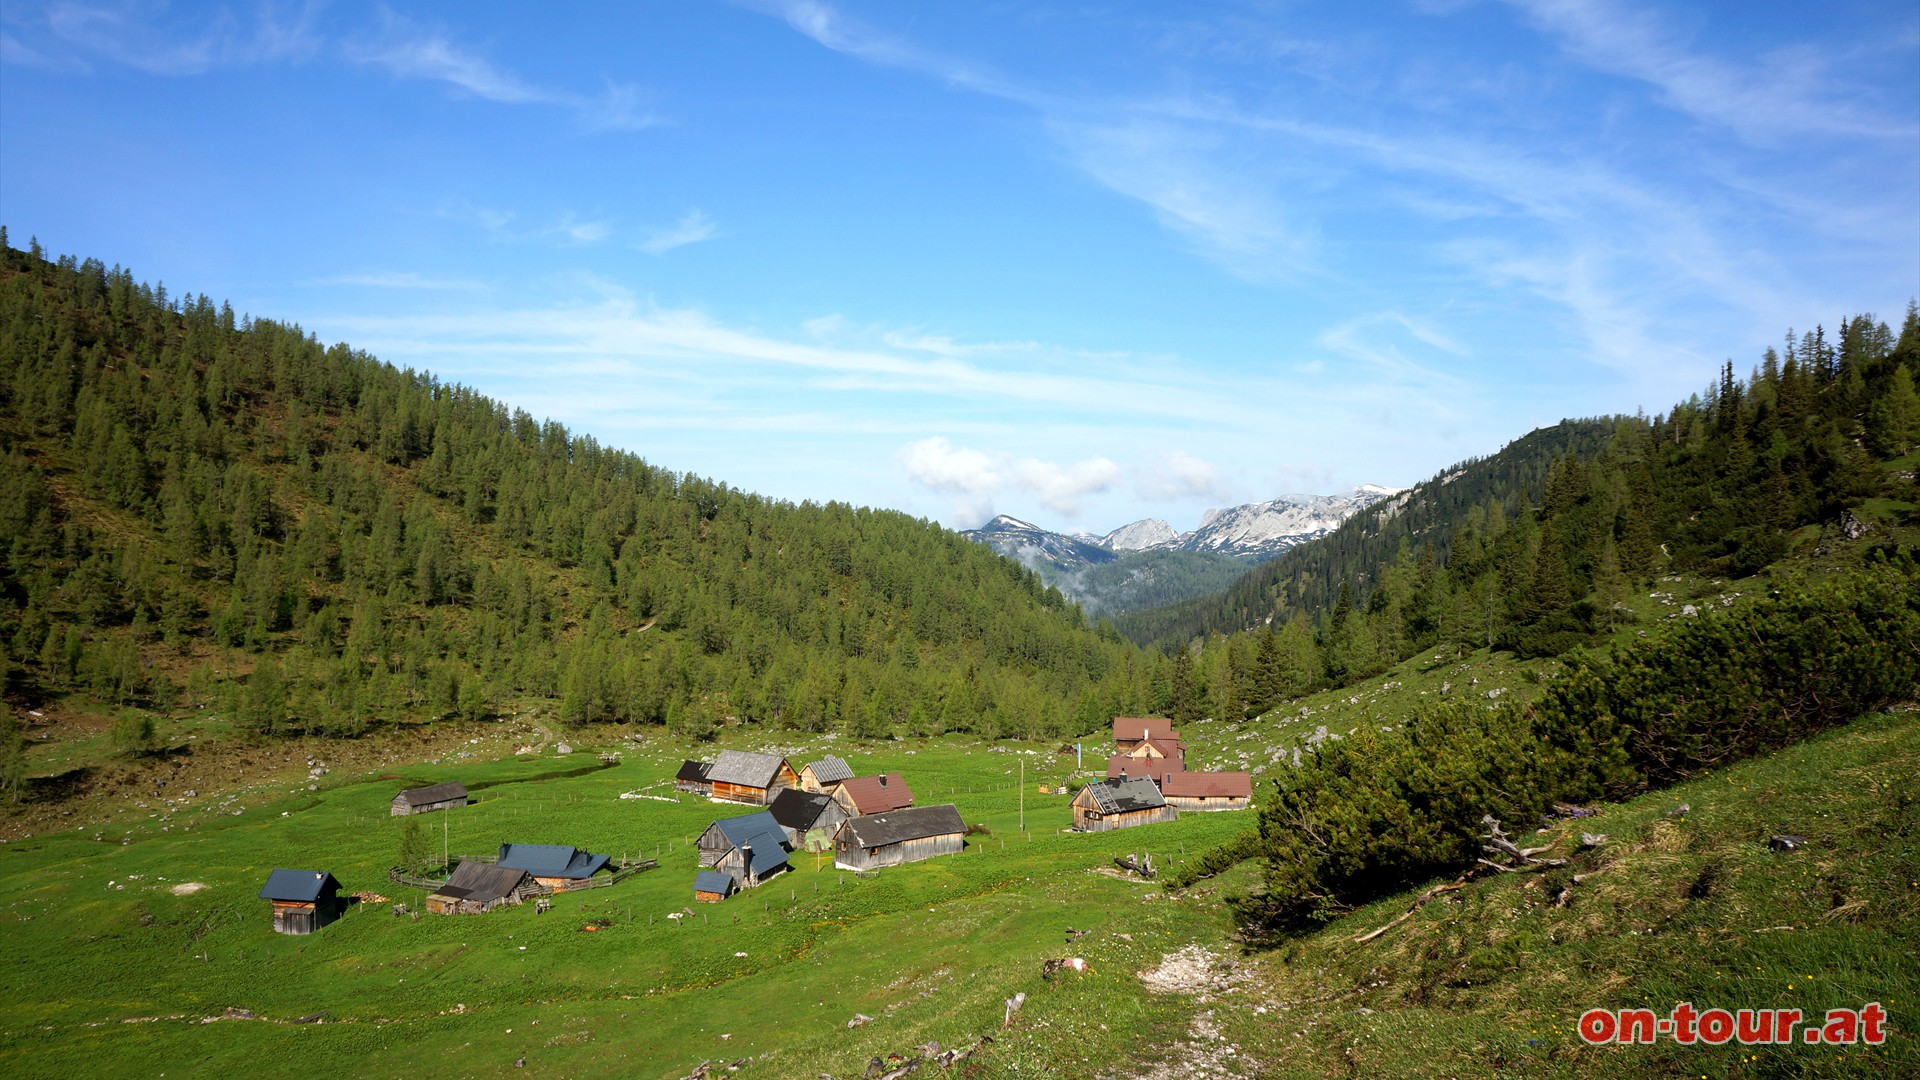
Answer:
(421, 796)
(749, 770)
(695, 771)
(713, 881)
(473, 880)
(830, 770)
(1129, 765)
(1142, 727)
(1232, 785)
(911, 823)
(1170, 746)
(761, 835)
(551, 860)
(798, 809)
(1121, 796)
(878, 794)
(298, 886)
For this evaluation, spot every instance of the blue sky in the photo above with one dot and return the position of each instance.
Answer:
(1080, 263)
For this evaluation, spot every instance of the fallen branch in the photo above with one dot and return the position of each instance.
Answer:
(1460, 883)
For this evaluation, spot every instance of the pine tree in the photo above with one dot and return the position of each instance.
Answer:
(1893, 420)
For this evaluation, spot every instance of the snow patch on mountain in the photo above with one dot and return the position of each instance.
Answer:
(1140, 536)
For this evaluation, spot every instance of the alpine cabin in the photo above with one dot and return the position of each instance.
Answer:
(754, 779)
(478, 887)
(899, 836)
(303, 900)
(1104, 805)
(556, 866)
(425, 800)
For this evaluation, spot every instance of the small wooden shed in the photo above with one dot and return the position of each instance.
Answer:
(825, 774)
(808, 817)
(755, 779)
(712, 886)
(556, 866)
(751, 848)
(1119, 804)
(477, 887)
(303, 900)
(873, 794)
(900, 836)
(693, 777)
(1207, 790)
(425, 800)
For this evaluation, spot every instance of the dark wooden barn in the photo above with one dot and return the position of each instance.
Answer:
(750, 848)
(1104, 805)
(477, 887)
(303, 900)
(425, 800)
(809, 818)
(693, 777)
(899, 836)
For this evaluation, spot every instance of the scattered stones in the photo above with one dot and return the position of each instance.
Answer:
(1783, 842)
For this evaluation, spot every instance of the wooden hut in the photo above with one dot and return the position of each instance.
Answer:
(425, 800)
(808, 817)
(900, 836)
(303, 900)
(477, 887)
(751, 848)
(693, 777)
(1119, 804)
(873, 794)
(712, 886)
(1207, 790)
(825, 775)
(556, 866)
(1130, 731)
(755, 779)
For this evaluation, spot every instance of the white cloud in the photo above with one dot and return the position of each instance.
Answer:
(976, 478)
(1180, 475)
(140, 37)
(411, 54)
(576, 231)
(1789, 94)
(406, 279)
(691, 229)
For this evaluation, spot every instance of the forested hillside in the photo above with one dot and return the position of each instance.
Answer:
(1533, 548)
(200, 508)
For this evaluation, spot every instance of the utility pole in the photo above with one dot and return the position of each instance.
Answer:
(446, 852)
(1023, 794)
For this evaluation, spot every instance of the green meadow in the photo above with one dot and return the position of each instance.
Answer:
(119, 944)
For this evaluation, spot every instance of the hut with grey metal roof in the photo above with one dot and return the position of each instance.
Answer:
(303, 900)
(898, 836)
(809, 818)
(477, 887)
(557, 866)
(754, 779)
(712, 886)
(1119, 804)
(425, 800)
(825, 774)
(752, 848)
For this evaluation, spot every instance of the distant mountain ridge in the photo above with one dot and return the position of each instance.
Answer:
(1144, 563)
(1252, 531)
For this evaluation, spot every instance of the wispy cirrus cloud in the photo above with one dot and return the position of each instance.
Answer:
(403, 280)
(1788, 92)
(407, 52)
(691, 229)
(155, 40)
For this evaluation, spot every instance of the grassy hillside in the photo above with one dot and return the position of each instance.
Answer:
(103, 961)
(204, 511)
